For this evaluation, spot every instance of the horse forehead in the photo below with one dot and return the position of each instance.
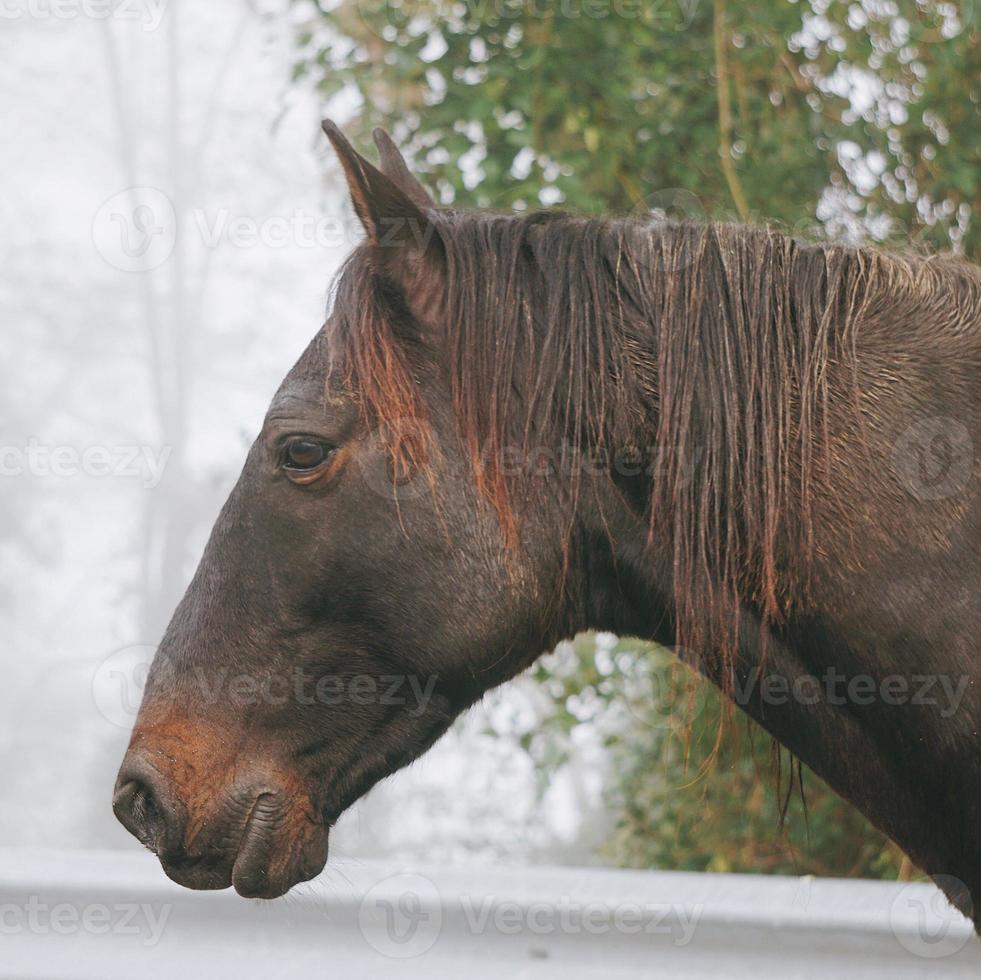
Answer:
(308, 381)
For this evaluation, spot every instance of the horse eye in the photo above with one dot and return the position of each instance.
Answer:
(306, 454)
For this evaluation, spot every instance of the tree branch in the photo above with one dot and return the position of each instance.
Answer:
(725, 113)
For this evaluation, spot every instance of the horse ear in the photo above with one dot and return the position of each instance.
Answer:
(394, 167)
(389, 214)
(395, 214)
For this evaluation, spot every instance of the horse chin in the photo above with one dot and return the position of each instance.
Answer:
(267, 865)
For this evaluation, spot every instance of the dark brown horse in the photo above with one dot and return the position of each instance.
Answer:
(514, 428)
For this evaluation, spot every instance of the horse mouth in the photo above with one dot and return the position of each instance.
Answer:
(269, 859)
(259, 871)
(250, 872)
(262, 840)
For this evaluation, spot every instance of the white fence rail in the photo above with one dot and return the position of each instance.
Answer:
(107, 915)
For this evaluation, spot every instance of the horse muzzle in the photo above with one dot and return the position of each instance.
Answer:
(253, 828)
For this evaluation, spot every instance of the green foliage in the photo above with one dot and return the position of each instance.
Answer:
(693, 784)
(861, 115)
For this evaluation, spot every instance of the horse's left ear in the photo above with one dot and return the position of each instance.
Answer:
(392, 206)
(393, 166)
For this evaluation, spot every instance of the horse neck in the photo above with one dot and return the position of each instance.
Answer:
(807, 681)
(797, 681)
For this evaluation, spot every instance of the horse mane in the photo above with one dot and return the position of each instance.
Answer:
(711, 344)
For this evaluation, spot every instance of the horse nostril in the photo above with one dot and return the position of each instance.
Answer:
(139, 808)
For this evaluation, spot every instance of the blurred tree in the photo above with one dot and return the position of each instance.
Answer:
(694, 786)
(860, 116)
(856, 119)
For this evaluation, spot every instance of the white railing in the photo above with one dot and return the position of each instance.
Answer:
(107, 915)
